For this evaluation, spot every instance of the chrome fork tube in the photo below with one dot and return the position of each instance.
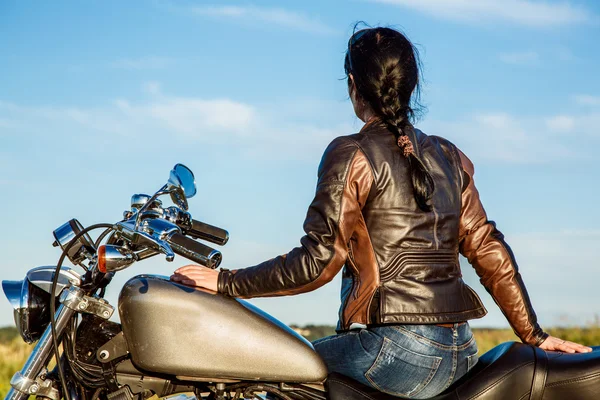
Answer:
(24, 382)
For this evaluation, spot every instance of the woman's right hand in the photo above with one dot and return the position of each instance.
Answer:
(555, 344)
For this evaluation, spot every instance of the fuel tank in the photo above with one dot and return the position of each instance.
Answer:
(191, 333)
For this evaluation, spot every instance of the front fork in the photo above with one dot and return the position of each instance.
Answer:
(25, 383)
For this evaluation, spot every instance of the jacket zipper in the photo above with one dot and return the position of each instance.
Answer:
(435, 225)
(356, 286)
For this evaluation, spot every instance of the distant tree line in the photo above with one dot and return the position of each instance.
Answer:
(8, 333)
(314, 332)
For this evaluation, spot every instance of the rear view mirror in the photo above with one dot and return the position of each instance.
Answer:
(181, 185)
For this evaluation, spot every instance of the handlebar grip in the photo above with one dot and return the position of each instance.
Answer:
(200, 230)
(195, 251)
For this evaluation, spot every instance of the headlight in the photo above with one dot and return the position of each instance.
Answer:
(31, 308)
(30, 299)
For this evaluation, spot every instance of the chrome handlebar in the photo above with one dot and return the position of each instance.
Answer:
(162, 230)
(151, 233)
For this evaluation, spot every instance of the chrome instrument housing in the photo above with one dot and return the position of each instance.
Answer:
(139, 200)
(82, 250)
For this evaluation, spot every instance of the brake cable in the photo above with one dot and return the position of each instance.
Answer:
(61, 372)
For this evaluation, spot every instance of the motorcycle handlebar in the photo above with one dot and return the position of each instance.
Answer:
(200, 230)
(195, 251)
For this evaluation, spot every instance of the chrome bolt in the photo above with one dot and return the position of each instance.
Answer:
(104, 354)
(106, 314)
(34, 388)
(83, 305)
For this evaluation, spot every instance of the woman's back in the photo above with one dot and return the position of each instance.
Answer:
(403, 262)
(406, 225)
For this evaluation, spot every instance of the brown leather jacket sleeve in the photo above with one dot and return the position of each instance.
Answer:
(483, 245)
(344, 182)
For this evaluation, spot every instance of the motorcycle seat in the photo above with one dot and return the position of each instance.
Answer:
(508, 371)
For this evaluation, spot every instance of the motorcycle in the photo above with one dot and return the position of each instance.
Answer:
(181, 343)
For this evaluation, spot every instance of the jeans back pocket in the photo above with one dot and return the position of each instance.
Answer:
(401, 372)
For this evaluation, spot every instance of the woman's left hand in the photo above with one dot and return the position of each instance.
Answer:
(555, 344)
(198, 276)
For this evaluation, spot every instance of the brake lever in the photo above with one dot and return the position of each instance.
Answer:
(150, 233)
(155, 244)
(166, 250)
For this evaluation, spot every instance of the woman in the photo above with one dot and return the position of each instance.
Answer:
(394, 207)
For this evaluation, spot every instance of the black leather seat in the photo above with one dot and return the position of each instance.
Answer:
(508, 371)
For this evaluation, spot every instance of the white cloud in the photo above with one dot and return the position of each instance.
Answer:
(561, 123)
(498, 137)
(151, 87)
(269, 130)
(191, 116)
(264, 133)
(135, 64)
(566, 55)
(587, 100)
(263, 15)
(522, 12)
(520, 58)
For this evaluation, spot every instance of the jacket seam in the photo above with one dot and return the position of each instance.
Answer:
(362, 150)
(378, 275)
(331, 182)
(468, 226)
(458, 162)
(523, 298)
(356, 281)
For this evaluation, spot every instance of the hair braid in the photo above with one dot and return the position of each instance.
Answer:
(386, 79)
(396, 116)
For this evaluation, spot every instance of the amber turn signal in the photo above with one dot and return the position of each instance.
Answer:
(113, 258)
(102, 259)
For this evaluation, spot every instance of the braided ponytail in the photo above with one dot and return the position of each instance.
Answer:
(396, 117)
(386, 73)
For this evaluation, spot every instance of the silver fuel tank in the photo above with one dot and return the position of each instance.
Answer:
(177, 330)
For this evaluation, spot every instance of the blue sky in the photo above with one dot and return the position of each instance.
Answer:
(99, 99)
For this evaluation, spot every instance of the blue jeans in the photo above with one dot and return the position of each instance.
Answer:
(411, 361)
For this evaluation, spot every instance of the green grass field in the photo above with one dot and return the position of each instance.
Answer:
(14, 352)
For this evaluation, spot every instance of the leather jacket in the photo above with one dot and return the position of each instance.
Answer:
(400, 264)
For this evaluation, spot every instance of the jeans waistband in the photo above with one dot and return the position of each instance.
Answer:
(457, 324)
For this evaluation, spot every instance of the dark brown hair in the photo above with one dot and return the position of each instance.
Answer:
(385, 70)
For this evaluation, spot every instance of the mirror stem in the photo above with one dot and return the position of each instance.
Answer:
(162, 191)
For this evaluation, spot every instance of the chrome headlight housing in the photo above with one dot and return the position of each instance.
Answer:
(31, 308)
(30, 299)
